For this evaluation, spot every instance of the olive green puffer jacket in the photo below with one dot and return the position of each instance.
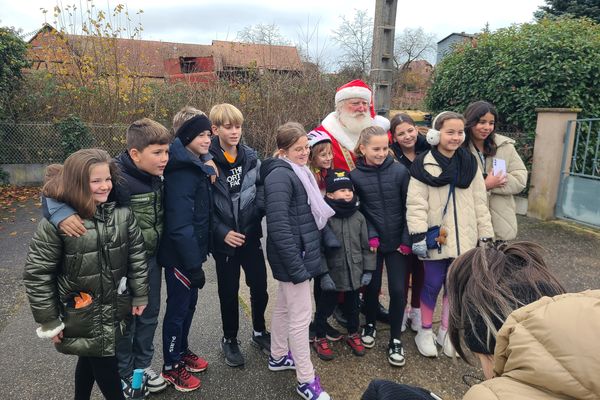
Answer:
(58, 267)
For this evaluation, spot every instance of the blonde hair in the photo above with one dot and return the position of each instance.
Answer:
(72, 184)
(187, 112)
(144, 132)
(366, 135)
(225, 113)
(51, 172)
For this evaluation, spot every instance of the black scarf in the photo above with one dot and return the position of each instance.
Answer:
(460, 168)
(342, 208)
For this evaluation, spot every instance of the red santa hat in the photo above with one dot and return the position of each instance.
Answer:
(356, 89)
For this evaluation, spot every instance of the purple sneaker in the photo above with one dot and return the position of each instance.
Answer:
(312, 391)
(285, 362)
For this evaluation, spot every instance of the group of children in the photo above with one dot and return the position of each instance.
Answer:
(94, 270)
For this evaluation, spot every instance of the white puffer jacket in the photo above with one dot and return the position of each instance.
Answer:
(425, 205)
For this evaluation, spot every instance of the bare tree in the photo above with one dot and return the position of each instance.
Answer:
(312, 47)
(263, 34)
(355, 38)
(413, 44)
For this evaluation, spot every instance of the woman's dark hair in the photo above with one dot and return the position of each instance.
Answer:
(473, 114)
(488, 283)
(398, 119)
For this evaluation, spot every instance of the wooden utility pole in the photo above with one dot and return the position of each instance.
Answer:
(382, 64)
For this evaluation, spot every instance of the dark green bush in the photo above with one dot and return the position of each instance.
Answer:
(74, 135)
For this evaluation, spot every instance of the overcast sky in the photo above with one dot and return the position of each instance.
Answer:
(200, 21)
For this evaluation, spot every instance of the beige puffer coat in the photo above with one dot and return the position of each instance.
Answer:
(548, 349)
(501, 201)
(425, 205)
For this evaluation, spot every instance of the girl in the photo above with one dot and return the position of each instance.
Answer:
(447, 202)
(320, 161)
(407, 145)
(81, 289)
(529, 346)
(489, 147)
(320, 157)
(381, 185)
(295, 213)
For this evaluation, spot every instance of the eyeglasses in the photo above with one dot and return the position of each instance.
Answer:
(441, 239)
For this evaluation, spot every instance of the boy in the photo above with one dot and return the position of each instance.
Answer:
(184, 247)
(237, 231)
(350, 266)
(141, 166)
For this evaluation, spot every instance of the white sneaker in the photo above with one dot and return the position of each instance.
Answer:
(368, 335)
(405, 318)
(444, 340)
(154, 382)
(425, 341)
(415, 319)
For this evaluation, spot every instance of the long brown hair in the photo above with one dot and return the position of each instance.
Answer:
(487, 283)
(473, 113)
(72, 185)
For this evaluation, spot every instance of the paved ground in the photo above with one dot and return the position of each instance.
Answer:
(31, 369)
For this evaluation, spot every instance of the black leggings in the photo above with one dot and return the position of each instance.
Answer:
(396, 265)
(103, 371)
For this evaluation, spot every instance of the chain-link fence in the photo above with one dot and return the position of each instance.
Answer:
(42, 143)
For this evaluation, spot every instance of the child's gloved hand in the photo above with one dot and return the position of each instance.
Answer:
(404, 249)
(374, 244)
(420, 249)
(327, 283)
(365, 279)
(197, 278)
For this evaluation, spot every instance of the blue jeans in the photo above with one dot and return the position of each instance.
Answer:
(181, 305)
(136, 347)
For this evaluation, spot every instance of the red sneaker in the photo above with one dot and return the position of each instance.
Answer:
(181, 378)
(321, 346)
(355, 344)
(193, 363)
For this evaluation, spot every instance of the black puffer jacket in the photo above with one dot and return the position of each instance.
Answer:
(382, 192)
(420, 147)
(293, 240)
(188, 205)
(240, 211)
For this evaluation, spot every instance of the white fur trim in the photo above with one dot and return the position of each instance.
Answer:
(382, 121)
(51, 333)
(355, 92)
(339, 132)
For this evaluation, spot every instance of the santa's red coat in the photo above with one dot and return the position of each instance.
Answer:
(339, 161)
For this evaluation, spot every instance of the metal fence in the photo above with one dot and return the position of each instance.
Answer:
(42, 143)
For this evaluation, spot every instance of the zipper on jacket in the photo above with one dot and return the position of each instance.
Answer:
(385, 212)
(456, 224)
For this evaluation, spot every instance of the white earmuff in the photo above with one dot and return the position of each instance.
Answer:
(433, 137)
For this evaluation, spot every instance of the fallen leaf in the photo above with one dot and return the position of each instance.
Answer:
(33, 219)
(13, 233)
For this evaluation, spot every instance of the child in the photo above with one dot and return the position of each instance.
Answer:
(320, 157)
(141, 166)
(381, 184)
(320, 161)
(350, 266)
(446, 197)
(81, 289)
(237, 231)
(293, 250)
(407, 145)
(489, 147)
(184, 247)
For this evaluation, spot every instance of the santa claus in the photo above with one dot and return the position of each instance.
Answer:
(353, 112)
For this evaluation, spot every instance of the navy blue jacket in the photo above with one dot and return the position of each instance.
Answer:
(382, 192)
(188, 205)
(293, 240)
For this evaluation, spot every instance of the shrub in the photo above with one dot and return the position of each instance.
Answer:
(552, 63)
(74, 135)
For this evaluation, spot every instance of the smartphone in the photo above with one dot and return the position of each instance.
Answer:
(499, 166)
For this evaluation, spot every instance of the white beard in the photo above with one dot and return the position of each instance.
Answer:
(355, 123)
(346, 129)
